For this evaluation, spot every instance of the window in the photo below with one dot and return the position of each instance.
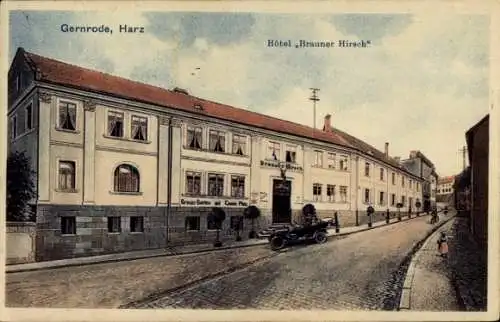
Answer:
(29, 116)
(115, 124)
(215, 184)
(393, 199)
(236, 222)
(402, 181)
(114, 225)
(193, 183)
(194, 137)
(393, 178)
(192, 223)
(68, 225)
(126, 179)
(330, 192)
(410, 202)
(343, 193)
(67, 175)
(139, 128)
(331, 160)
(411, 182)
(291, 154)
(274, 150)
(382, 174)
(137, 224)
(318, 159)
(381, 199)
(343, 162)
(217, 141)
(211, 224)
(367, 169)
(13, 129)
(418, 186)
(238, 186)
(239, 144)
(367, 195)
(317, 192)
(67, 116)
(403, 200)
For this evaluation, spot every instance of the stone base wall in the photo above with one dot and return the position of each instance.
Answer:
(92, 236)
(21, 242)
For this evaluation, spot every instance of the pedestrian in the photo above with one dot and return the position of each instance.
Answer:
(443, 245)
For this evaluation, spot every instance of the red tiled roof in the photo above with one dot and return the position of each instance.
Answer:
(57, 72)
(448, 179)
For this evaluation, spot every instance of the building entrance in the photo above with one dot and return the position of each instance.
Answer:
(282, 192)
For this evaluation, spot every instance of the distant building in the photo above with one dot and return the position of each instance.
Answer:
(421, 166)
(478, 147)
(445, 190)
(121, 165)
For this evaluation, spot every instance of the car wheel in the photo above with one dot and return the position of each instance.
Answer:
(320, 238)
(277, 243)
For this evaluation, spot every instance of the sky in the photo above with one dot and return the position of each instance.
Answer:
(420, 84)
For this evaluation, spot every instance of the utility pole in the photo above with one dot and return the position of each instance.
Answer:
(464, 151)
(314, 97)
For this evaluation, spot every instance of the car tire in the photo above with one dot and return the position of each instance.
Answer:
(320, 238)
(277, 243)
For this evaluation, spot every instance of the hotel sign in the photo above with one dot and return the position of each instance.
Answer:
(205, 202)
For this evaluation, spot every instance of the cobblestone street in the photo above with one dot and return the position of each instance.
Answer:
(362, 271)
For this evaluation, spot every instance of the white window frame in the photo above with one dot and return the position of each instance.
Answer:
(273, 146)
(332, 160)
(292, 149)
(318, 159)
(317, 197)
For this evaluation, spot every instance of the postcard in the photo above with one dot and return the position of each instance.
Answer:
(242, 161)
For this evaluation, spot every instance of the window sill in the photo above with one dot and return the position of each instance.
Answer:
(126, 193)
(114, 233)
(67, 130)
(126, 139)
(67, 190)
(68, 235)
(212, 197)
(136, 232)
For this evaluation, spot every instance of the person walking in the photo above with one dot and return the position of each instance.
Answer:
(443, 245)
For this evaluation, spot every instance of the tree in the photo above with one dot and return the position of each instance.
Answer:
(217, 215)
(308, 214)
(252, 213)
(20, 186)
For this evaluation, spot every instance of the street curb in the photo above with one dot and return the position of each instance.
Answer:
(93, 260)
(405, 300)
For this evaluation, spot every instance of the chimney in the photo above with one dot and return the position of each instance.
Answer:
(327, 127)
(386, 149)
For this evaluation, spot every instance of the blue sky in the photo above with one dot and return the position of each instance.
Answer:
(420, 85)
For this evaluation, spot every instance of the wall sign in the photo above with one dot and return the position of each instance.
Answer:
(202, 202)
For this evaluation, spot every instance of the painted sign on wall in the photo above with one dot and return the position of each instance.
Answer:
(206, 202)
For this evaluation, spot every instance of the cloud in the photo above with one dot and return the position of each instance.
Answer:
(420, 85)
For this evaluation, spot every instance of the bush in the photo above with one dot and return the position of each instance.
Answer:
(20, 186)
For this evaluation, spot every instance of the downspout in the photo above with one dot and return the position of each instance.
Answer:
(356, 194)
(169, 184)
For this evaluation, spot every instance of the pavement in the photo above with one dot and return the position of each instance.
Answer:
(354, 270)
(173, 250)
(357, 272)
(455, 283)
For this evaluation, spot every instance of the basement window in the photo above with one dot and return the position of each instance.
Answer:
(192, 223)
(68, 225)
(137, 224)
(114, 225)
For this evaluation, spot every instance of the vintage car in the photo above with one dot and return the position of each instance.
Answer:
(282, 237)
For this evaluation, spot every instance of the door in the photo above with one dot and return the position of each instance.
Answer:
(282, 191)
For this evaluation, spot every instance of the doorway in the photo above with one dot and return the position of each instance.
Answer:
(282, 192)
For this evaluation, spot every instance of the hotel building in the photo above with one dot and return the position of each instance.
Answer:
(121, 165)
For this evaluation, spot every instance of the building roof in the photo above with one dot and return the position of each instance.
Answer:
(444, 180)
(57, 72)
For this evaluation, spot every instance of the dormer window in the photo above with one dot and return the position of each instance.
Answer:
(217, 141)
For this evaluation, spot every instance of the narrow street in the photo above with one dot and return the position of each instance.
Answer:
(362, 271)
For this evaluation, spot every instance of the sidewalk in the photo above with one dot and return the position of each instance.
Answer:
(177, 250)
(456, 283)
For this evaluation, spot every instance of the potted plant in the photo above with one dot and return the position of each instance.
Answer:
(252, 213)
(217, 216)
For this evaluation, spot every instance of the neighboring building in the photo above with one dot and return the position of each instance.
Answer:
(421, 166)
(445, 185)
(478, 148)
(122, 165)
